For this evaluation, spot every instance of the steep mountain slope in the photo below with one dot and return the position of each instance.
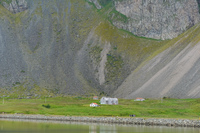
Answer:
(172, 73)
(70, 47)
(39, 46)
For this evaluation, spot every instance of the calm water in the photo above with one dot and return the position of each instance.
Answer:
(10, 126)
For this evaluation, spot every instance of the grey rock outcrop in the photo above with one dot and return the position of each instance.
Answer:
(159, 19)
(98, 6)
(16, 6)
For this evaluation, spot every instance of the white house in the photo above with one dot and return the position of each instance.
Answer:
(94, 105)
(107, 100)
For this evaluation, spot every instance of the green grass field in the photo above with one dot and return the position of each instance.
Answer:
(78, 106)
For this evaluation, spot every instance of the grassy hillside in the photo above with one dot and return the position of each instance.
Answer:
(79, 106)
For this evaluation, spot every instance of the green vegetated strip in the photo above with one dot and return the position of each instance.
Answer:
(76, 106)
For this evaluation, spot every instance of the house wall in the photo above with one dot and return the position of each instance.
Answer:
(110, 101)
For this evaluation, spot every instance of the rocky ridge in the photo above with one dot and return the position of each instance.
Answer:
(16, 6)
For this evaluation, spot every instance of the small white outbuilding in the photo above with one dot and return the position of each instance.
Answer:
(94, 105)
(110, 101)
(139, 99)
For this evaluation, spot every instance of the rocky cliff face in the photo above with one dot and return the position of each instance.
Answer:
(15, 6)
(69, 47)
(159, 19)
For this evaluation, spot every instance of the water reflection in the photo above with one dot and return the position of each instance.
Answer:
(139, 129)
(102, 129)
(41, 126)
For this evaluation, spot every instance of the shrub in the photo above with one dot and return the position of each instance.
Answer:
(46, 106)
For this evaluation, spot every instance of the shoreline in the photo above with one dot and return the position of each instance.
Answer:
(109, 120)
